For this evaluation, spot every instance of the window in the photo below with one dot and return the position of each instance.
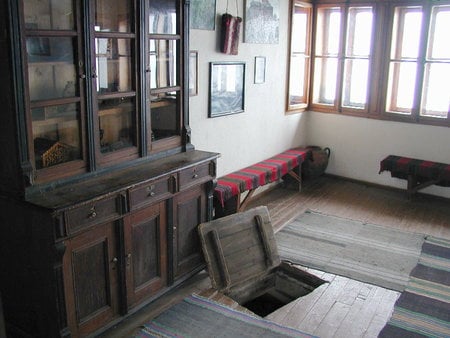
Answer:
(342, 63)
(419, 66)
(378, 59)
(300, 58)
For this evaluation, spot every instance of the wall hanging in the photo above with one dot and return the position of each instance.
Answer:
(203, 14)
(262, 21)
(231, 26)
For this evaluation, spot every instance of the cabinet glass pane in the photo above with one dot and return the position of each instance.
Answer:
(113, 16)
(114, 63)
(165, 115)
(49, 14)
(56, 134)
(163, 17)
(117, 123)
(51, 68)
(163, 63)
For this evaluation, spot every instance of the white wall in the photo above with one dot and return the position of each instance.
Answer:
(263, 129)
(358, 145)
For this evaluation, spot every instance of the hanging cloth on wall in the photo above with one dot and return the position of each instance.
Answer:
(231, 26)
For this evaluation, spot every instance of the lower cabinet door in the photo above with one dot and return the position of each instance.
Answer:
(189, 212)
(145, 236)
(90, 267)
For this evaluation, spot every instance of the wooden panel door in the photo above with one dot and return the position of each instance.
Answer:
(145, 252)
(91, 275)
(190, 211)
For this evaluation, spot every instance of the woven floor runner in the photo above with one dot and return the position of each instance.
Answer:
(423, 309)
(369, 253)
(199, 317)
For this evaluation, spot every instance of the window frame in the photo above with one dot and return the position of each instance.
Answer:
(307, 8)
(342, 57)
(379, 60)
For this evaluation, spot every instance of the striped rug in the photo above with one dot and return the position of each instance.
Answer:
(199, 317)
(423, 309)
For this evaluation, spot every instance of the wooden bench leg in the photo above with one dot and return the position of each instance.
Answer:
(411, 184)
(246, 200)
(297, 176)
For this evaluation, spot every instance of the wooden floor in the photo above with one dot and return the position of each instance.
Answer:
(342, 307)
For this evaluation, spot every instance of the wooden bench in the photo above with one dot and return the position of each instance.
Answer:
(227, 193)
(419, 173)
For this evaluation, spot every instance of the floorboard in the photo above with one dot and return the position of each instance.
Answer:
(342, 307)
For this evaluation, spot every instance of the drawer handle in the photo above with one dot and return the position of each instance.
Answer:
(195, 176)
(150, 192)
(114, 263)
(92, 213)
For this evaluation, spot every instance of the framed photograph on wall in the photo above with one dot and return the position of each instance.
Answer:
(262, 21)
(260, 69)
(193, 73)
(203, 14)
(227, 88)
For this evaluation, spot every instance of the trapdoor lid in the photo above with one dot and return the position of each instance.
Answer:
(239, 247)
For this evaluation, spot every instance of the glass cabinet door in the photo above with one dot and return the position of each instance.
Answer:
(164, 64)
(96, 92)
(52, 58)
(115, 77)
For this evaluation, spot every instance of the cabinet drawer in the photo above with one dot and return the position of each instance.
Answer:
(152, 192)
(195, 175)
(92, 213)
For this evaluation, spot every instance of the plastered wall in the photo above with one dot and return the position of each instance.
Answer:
(264, 129)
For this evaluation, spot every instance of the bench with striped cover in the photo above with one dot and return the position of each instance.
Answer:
(419, 173)
(229, 187)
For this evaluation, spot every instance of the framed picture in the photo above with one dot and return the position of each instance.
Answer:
(227, 88)
(193, 73)
(203, 14)
(260, 69)
(262, 21)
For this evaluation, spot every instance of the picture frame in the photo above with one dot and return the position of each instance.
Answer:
(262, 21)
(260, 69)
(203, 14)
(193, 73)
(227, 88)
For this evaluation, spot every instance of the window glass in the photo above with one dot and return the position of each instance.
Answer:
(113, 16)
(327, 51)
(406, 32)
(163, 63)
(49, 14)
(300, 57)
(356, 65)
(117, 124)
(163, 17)
(51, 67)
(165, 120)
(56, 134)
(114, 63)
(435, 92)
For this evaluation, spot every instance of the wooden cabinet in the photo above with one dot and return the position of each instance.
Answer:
(91, 273)
(190, 211)
(100, 188)
(87, 254)
(145, 253)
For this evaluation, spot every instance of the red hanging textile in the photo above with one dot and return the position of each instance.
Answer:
(231, 26)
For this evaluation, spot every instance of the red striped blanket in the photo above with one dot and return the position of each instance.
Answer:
(259, 174)
(423, 171)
